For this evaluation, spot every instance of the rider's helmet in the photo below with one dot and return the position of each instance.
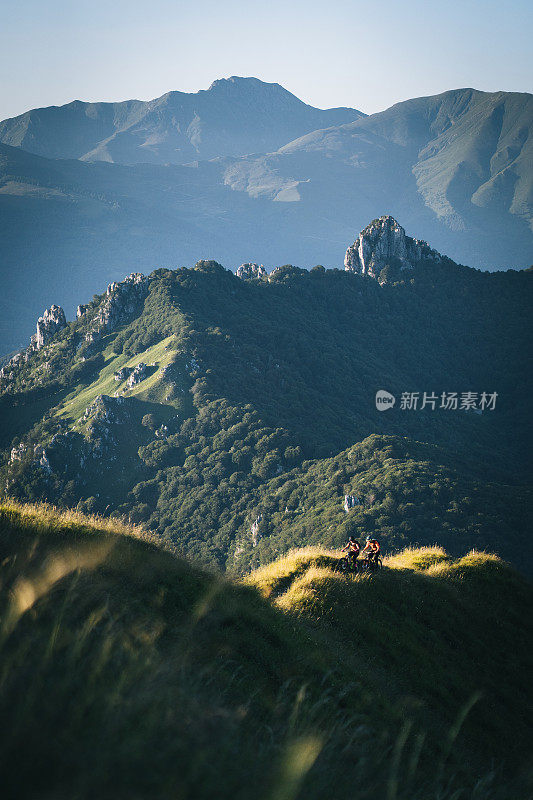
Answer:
(351, 539)
(369, 539)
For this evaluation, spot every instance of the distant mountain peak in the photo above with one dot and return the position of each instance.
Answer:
(234, 117)
(239, 81)
(384, 243)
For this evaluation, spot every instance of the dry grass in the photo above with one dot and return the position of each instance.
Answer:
(418, 558)
(48, 520)
(127, 672)
(274, 578)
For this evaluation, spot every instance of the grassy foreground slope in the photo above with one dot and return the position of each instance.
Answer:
(127, 672)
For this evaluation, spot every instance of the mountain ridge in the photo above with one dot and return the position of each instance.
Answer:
(205, 405)
(252, 116)
(466, 187)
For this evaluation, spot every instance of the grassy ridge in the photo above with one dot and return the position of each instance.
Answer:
(128, 672)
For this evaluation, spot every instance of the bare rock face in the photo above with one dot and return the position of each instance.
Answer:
(254, 530)
(251, 271)
(350, 501)
(123, 374)
(107, 409)
(52, 321)
(137, 375)
(383, 242)
(121, 300)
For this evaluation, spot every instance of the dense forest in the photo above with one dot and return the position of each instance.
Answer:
(232, 416)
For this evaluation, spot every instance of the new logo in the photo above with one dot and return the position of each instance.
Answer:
(384, 400)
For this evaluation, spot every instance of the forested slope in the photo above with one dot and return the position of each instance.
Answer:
(199, 404)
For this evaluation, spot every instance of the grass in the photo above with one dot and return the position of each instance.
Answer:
(127, 672)
(150, 389)
(418, 558)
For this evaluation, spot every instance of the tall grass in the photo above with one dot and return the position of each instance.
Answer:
(126, 672)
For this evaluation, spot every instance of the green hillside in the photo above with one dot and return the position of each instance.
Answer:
(128, 672)
(256, 405)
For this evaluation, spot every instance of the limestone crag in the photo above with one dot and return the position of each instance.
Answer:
(108, 409)
(251, 271)
(9, 370)
(120, 301)
(382, 243)
(254, 530)
(123, 374)
(350, 501)
(52, 321)
(137, 375)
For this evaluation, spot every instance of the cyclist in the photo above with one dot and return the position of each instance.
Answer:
(374, 549)
(353, 547)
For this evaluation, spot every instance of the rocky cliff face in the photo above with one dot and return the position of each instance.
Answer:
(383, 243)
(121, 300)
(250, 271)
(52, 321)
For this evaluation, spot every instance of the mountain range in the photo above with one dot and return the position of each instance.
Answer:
(235, 416)
(233, 117)
(246, 171)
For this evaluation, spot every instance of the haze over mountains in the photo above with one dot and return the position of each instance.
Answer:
(245, 171)
(233, 117)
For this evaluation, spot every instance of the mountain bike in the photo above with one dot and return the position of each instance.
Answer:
(347, 565)
(370, 564)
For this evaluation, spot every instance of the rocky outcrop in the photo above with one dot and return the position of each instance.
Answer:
(251, 271)
(107, 409)
(41, 458)
(123, 374)
(384, 243)
(350, 501)
(103, 416)
(138, 374)
(133, 375)
(17, 453)
(121, 300)
(254, 530)
(10, 368)
(37, 455)
(52, 321)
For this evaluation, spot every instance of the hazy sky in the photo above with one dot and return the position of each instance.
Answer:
(328, 52)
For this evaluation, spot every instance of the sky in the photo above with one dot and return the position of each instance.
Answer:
(335, 53)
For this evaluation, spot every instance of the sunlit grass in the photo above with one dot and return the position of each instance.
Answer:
(127, 672)
(417, 558)
(277, 576)
(75, 404)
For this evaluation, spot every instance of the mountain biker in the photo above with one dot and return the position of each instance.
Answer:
(353, 547)
(374, 549)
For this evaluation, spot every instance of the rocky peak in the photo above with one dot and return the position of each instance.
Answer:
(385, 242)
(250, 271)
(52, 321)
(121, 300)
